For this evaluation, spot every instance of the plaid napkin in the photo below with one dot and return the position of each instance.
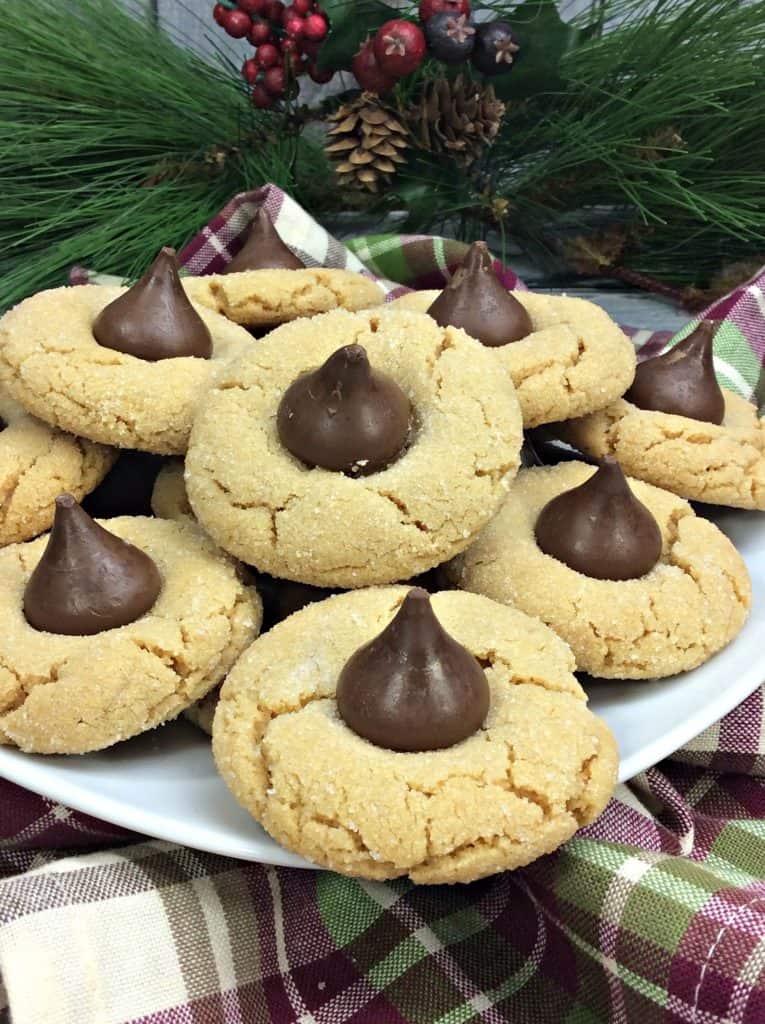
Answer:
(655, 913)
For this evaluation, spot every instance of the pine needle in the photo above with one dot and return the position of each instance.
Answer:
(115, 141)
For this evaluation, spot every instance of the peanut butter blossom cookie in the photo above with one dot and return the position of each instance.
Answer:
(36, 461)
(108, 633)
(566, 356)
(354, 449)
(633, 581)
(123, 367)
(266, 284)
(382, 733)
(677, 428)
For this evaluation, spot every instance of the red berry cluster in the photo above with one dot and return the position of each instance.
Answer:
(286, 40)
(397, 49)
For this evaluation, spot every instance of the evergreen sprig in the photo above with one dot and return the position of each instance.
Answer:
(115, 141)
(641, 153)
(656, 137)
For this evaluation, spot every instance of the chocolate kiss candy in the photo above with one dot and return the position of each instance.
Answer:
(682, 381)
(263, 249)
(345, 415)
(600, 528)
(154, 319)
(413, 687)
(88, 580)
(478, 303)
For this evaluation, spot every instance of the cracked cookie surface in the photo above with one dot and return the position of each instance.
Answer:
(575, 361)
(263, 297)
(690, 605)
(51, 363)
(541, 766)
(72, 694)
(37, 463)
(324, 528)
(722, 465)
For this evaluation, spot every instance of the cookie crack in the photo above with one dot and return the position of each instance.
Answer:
(696, 576)
(27, 684)
(406, 518)
(246, 506)
(7, 498)
(19, 390)
(566, 364)
(170, 660)
(576, 806)
(488, 659)
(673, 524)
(443, 345)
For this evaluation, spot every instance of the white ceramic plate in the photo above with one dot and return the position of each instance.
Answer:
(164, 784)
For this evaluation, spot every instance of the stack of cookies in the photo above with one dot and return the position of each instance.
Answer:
(342, 531)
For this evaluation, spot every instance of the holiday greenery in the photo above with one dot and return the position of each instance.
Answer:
(115, 141)
(628, 142)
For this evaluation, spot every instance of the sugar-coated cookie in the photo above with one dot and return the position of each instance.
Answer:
(539, 767)
(52, 364)
(169, 499)
(37, 463)
(265, 297)
(690, 605)
(575, 360)
(723, 464)
(326, 528)
(71, 694)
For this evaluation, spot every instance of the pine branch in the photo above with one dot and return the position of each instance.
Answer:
(115, 141)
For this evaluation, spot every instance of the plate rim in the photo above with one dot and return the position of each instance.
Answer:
(112, 811)
(36, 776)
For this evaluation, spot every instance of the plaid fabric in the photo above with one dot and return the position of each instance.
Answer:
(655, 913)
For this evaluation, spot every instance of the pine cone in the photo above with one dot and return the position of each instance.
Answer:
(367, 142)
(457, 117)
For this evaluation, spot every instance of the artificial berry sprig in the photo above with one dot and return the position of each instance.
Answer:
(450, 37)
(286, 40)
(399, 47)
(496, 48)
